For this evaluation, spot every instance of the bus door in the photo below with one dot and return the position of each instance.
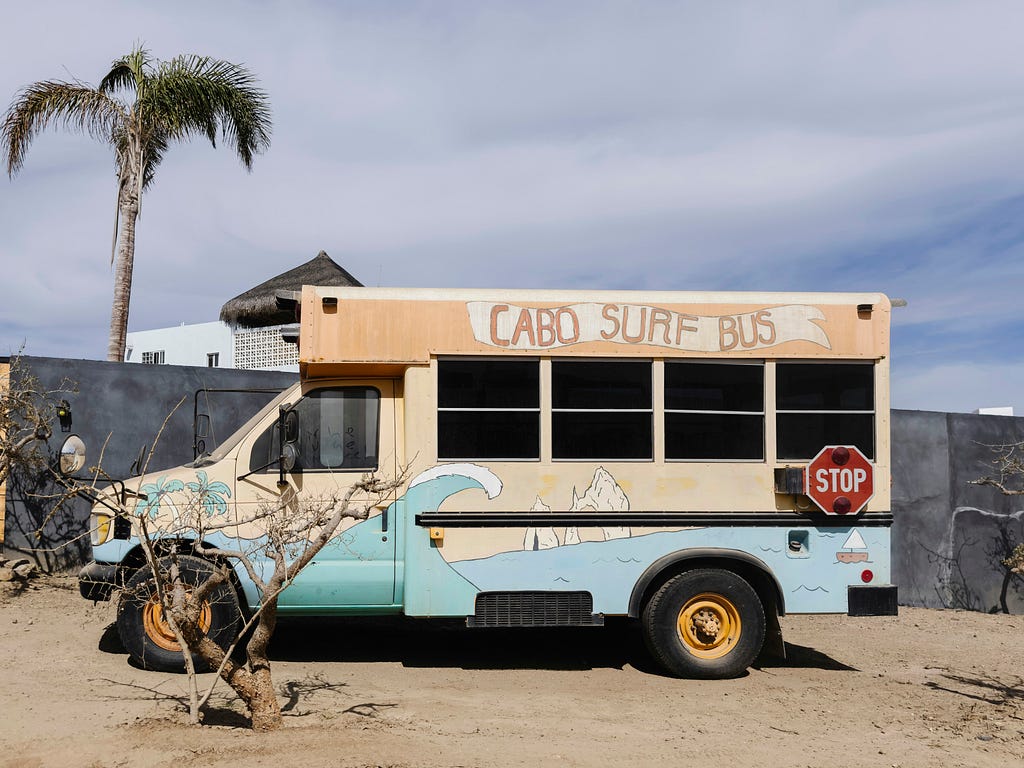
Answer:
(338, 433)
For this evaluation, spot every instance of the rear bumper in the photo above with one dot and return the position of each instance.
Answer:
(97, 581)
(872, 600)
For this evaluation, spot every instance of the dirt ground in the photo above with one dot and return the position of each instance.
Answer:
(929, 688)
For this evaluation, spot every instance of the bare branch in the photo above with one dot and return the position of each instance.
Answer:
(1008, 461)
(998, 485)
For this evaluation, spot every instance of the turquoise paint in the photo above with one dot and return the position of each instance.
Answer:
(113, 551)
(397, 514)
(433, 587)
(357, 572)
(155, 493)
(356, 567)
(212, 495)
(815, 583)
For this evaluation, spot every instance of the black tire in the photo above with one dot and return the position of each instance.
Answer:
(147, 638)
(706, 623)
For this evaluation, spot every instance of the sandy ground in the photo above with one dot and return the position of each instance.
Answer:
(929, 688)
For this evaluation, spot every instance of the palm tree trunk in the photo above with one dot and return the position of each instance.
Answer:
(123, 278)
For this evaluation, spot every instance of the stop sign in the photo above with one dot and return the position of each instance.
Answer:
(840, 480)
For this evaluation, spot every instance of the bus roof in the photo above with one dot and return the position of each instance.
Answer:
(557, 295)
(381, 331)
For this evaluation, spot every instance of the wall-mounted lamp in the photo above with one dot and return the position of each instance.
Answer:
(64, 414)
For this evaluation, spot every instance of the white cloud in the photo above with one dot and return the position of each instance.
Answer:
(804, 146)
(958, 386)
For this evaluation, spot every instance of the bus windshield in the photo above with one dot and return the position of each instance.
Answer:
(235, 438)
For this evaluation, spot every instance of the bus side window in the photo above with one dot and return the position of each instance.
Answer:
(714, 410)
(819, 404)
(337, 429)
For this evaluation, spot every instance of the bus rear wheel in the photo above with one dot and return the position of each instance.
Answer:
(145, 632)
(705, 623)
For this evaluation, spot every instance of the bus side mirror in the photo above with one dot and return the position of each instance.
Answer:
(287, 435)
(291, 427)
(288, 457)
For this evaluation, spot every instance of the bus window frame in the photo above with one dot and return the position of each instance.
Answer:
(539, 410)
(650, 411)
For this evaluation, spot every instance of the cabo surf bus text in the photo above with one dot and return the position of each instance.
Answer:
(701, 462)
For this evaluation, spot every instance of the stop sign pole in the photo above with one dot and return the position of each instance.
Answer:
(840, 480)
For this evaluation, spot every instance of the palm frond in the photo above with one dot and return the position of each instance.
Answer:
(157, 144)
(119, 78)
(193, 95)
(74, 106)
(127, 73)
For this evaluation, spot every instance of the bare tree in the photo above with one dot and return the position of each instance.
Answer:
(186, 596)
(1015, 562)
(1008, 479)
(27, 413)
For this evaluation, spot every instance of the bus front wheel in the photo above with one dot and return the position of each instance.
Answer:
(145, 632)
(705, 623)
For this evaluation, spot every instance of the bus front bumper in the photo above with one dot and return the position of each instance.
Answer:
(97, 581)
(873, 600)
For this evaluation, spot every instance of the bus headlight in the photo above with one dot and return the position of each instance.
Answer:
(100, 528)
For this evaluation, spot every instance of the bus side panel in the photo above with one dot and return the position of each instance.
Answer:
(431, 587)
(813, 579)
(814, 564)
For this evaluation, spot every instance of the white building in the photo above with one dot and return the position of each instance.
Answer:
(202, 344)
(245, 341)
(213, 345)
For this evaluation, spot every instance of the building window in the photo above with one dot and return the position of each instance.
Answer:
(212, 359)
(333, 429)
(488, 409)
(601, 409)
(821, 404)
(714, 411)
(153, 358)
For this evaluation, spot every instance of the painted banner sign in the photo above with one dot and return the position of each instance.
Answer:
(531, 328)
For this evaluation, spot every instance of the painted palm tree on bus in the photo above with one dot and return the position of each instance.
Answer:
(140, 108)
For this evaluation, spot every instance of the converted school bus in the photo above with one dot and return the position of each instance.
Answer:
(575, 455)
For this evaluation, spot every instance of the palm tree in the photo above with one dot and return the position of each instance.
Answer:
(166, 102)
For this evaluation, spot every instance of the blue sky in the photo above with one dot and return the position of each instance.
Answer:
(749, 146)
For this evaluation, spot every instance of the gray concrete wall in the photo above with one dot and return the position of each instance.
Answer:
(124, 406)
(950, 535)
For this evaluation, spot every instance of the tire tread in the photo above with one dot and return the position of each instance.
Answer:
(143, 651)
(661, 611)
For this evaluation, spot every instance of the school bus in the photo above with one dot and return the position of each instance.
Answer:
(573, 456)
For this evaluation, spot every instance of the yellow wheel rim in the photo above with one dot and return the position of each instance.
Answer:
(159, 631)
(709, 625)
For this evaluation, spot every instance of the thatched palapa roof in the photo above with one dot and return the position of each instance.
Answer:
(258, 307)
